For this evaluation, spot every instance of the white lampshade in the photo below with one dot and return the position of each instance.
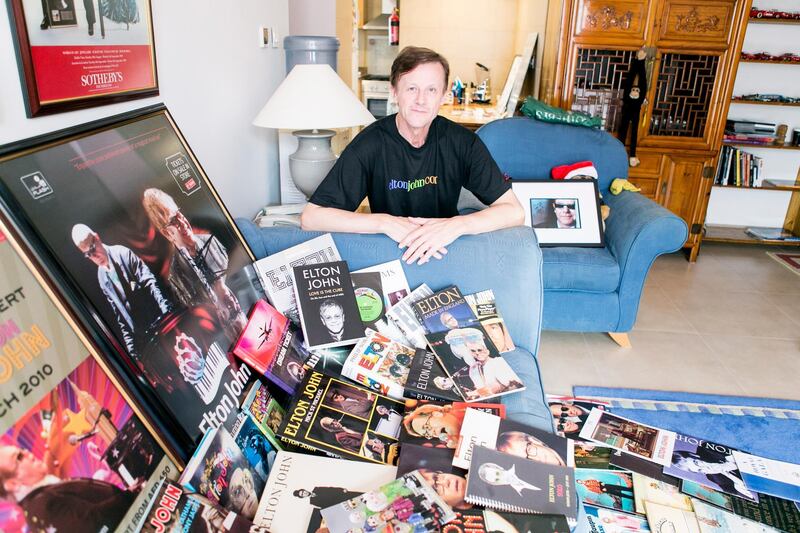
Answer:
(313, 97)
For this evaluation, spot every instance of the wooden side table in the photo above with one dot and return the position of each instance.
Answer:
(472, 117)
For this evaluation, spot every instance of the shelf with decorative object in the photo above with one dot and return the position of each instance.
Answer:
(760, 102)
(773, 21)
(770, 62)
(765, 186)
(739, 235)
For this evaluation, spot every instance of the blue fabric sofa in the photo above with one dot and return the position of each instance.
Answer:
(508, 261)
(588, 289)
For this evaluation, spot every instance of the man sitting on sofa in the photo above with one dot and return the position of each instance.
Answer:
(412, 167)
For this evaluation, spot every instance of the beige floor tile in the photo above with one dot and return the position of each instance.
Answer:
(789, 303)
(564, 362)
(661, 361)
(762, 367)
(674, 271)
(658, 313)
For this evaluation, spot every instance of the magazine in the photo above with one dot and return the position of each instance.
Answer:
(509, 483)
(427, 380)
(626, 435)
(395, 288)
(407, 500)
(307, 484)
(328, 360)
(708, 463)
(485, 308)
(276, 274)
(219, 471)
(602, 520)
(255, 446)
(712, 519)
(487, 521)
(645, 467)
(272, 346)
(403, 316)
(173, 510)
(368, 289)
(343, 420)
(591, 455)
(606, 488)
(665, 518)
(655, 491)
(570, 413)
(463, 347)
(772, 511)
(768, 476)
(265, 411)
(379, 363)
(327, 303)
(485, 429)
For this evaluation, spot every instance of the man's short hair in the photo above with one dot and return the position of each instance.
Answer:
(159, 206)
(329, 304)
(411, 57)
(80, 232)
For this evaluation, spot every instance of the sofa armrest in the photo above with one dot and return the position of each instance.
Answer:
(638, 230)
(508, 261)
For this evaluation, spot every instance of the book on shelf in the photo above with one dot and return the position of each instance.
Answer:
(738, 168)
(506, 482)
(307, 484)
(343, 420)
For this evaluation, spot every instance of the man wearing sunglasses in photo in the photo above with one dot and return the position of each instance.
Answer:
(566, 213)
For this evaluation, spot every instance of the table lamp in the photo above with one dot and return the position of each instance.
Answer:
(310, 98)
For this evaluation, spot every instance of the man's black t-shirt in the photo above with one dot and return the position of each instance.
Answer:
(402, 180)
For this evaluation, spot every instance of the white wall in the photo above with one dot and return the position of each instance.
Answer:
(213, 78)
(763, 208)
(312, 17)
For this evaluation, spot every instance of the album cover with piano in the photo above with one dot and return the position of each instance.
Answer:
(273, 346)
(136, 237)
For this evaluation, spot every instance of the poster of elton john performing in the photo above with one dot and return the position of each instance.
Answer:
(127, 217)
(74, 456)
(83, 52)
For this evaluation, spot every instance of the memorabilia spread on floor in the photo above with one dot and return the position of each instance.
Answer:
(156, 377)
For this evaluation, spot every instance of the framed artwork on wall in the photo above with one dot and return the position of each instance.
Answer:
(91, 456)
(132, 231)
(562, 212)
(74, 54)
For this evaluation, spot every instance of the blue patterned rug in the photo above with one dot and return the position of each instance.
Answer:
(761, 426)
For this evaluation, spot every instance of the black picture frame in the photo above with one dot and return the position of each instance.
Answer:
(100, 63)
(94, 175)
(562, 212)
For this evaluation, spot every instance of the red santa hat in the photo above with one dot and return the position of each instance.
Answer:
(567, 172)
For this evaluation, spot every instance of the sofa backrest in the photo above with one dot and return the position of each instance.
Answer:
(525, 148)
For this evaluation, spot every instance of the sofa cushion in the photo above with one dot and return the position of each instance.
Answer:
(582, 269)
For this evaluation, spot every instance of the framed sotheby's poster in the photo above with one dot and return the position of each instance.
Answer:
(562, 212)
(74, 54)
(135, 235)
(76, 452)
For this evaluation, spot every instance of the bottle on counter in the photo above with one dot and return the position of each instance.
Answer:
(394, 27)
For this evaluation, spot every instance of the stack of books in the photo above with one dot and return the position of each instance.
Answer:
(748, 132)
(737, 168)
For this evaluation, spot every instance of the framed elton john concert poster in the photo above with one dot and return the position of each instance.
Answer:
(138, 240)
(74, 54)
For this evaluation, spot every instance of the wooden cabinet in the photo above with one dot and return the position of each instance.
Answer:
(691, 51)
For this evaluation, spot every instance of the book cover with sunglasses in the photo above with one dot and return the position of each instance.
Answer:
(343, 420)
(570, 413)
(464, 348)
(326, 301)
(272, 346)
(506, 482)
(408, 503)
(485, 429)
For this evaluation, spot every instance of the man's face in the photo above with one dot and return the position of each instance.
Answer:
(567, 426)
(450, 487)
(561, 409)
(436, 425)
(21, 465)
(449, 320)
(496, 333)
(382, 410)
(565, 211)
(331, 423)
(92, 248)
(478, 349)
(338, 398)
(243, 493)
(523, 445)
(296, 371)
(419, 94)
(303, 493)
(178, 230)
(333, 318)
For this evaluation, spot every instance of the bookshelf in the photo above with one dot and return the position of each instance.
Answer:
(777, 202)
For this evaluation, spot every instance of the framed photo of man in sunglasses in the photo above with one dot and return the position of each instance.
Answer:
(563, 213)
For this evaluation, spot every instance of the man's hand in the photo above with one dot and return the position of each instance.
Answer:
(397, 228)
(430, 238)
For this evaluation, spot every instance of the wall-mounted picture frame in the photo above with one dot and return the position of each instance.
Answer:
(73, 55)
(82, 435)
(562, 212)
(133, 232)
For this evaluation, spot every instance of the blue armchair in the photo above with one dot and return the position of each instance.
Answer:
(588, 289)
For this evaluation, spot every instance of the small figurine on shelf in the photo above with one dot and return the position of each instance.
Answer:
(634, 91)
